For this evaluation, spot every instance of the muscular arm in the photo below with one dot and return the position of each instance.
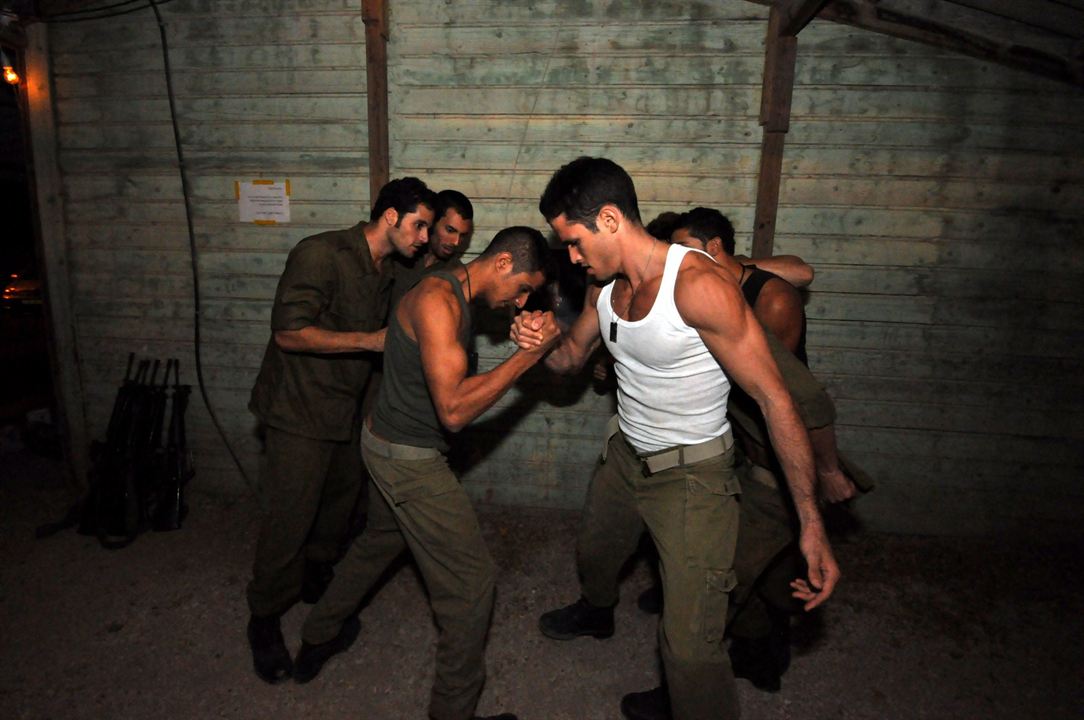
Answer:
(710, 301)
(576, 345)
(318, 340)
(779, 309)
(833, 483)
(789, 267)
(433, 317)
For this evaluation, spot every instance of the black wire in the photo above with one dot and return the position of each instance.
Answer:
(61, 17)
(192, 247)
(93, 9)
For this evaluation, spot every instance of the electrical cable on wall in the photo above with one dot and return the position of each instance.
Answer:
(192, 247)
(66, 17)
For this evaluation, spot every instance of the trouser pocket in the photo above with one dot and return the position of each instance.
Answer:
(711, 513)
(711, 536)
(718, 584)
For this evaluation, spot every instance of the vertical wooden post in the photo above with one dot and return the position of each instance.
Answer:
(374, 13)
(52, 248)
(779, 57)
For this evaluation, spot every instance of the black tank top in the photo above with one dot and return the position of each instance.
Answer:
(404, 411)
(751, 290)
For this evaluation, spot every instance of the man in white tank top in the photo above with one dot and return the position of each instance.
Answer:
(679, 330)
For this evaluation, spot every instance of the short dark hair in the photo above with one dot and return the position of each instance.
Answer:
(663, 226)
(405, 195)
(579, 190)
(529, 250)
(453, 200)
(707, 223)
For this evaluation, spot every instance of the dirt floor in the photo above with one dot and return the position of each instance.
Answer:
(920, 627)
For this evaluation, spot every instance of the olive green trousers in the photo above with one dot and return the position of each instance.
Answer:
(417, 503)
(309, 490)
(691, 512)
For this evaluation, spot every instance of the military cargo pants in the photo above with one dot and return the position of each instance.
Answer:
(691, 512)
(309, 489)
(416, 502)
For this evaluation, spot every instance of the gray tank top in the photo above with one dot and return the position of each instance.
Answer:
(404, 411)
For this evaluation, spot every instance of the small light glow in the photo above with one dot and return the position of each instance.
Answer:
(10, 76)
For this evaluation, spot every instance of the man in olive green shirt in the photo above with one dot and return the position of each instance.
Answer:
(327, 322)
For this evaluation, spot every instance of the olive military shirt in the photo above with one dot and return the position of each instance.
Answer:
(330, 282)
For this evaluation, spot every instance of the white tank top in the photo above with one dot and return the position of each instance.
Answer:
(670, 389)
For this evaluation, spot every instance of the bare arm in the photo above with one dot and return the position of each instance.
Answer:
(789, 267)
(576, 345)
(434, 318)
(710, 301)
(318, 340)
(833, 483)
(779, 309)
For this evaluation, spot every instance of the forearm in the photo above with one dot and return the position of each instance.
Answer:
(789, 267)
(823, 440)
(832, 483)
(791, 443)
(313, 339)
(567, 358)
(478, 393)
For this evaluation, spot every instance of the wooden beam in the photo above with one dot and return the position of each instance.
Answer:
(52, 247)
(777, 86)
(374, 13)
(796, 14)
(868, 15)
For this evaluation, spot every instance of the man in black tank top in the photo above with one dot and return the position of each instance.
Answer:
(416, 502)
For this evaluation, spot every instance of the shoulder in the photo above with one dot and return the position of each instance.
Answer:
(434, 292)
(704, 291)
(779, 296)
(311, 260)
(699, 272)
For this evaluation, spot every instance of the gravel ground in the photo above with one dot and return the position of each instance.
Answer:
(920, 628)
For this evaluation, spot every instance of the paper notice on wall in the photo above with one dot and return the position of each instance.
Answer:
(264, 202)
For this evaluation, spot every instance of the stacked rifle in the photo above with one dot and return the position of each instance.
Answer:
(137, 476)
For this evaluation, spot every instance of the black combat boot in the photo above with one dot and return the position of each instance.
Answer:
(648, 705)
(269, 655)
(311, 658)
(579, 618)
(650, 600)
(762, 661)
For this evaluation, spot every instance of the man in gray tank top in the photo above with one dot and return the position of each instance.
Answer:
(685, 495)
(416, 501)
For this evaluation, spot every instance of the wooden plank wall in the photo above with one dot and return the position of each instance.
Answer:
(270, 89)
(939, 198)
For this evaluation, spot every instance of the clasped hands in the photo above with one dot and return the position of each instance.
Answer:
(535, 331)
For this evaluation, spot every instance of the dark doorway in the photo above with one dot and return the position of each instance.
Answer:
(26, 393)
